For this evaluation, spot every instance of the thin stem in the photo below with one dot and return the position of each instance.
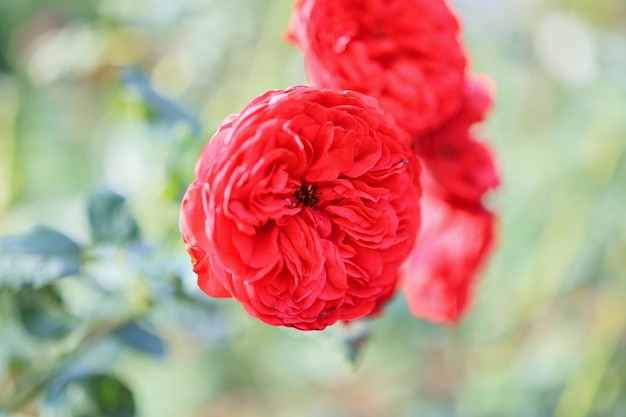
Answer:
(90, 338)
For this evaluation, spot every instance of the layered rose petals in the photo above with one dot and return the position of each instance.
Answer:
(406, 53)
(303, 208)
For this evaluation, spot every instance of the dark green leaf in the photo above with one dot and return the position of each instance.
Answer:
(99, 395)
(42, 314)
(141, 339)
(110, 220)
(36, 258)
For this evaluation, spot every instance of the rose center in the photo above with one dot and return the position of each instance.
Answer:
(306, 194)
(379, 31)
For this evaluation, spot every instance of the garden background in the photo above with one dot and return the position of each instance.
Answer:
(104, 107)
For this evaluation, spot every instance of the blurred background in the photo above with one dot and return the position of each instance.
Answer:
(104, 107)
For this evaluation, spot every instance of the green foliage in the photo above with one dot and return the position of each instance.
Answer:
(138, 337)
(42, 314)
(37, 258)
(99, 395)
(110, 220)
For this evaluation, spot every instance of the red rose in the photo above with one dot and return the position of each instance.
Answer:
(406, 53)
(304, 207)
(456, 164)
(454, 243)
(457, 234)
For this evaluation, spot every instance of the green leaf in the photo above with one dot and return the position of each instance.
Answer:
(37, 258)
(42, 314)
(110, 220)
(96, 395)
(160, 107)
(141, 339)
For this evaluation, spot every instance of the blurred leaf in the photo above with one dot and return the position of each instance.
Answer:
(355, 337)
(36, 258)
(42, 313)
(203, 320)
(141, 339)
(110, 220)
(99, 395)
(161, 106)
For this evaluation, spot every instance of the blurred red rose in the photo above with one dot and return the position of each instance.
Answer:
(405, 53)
(304, 207)
(454, 243)
(458, 232)
(456, 164)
